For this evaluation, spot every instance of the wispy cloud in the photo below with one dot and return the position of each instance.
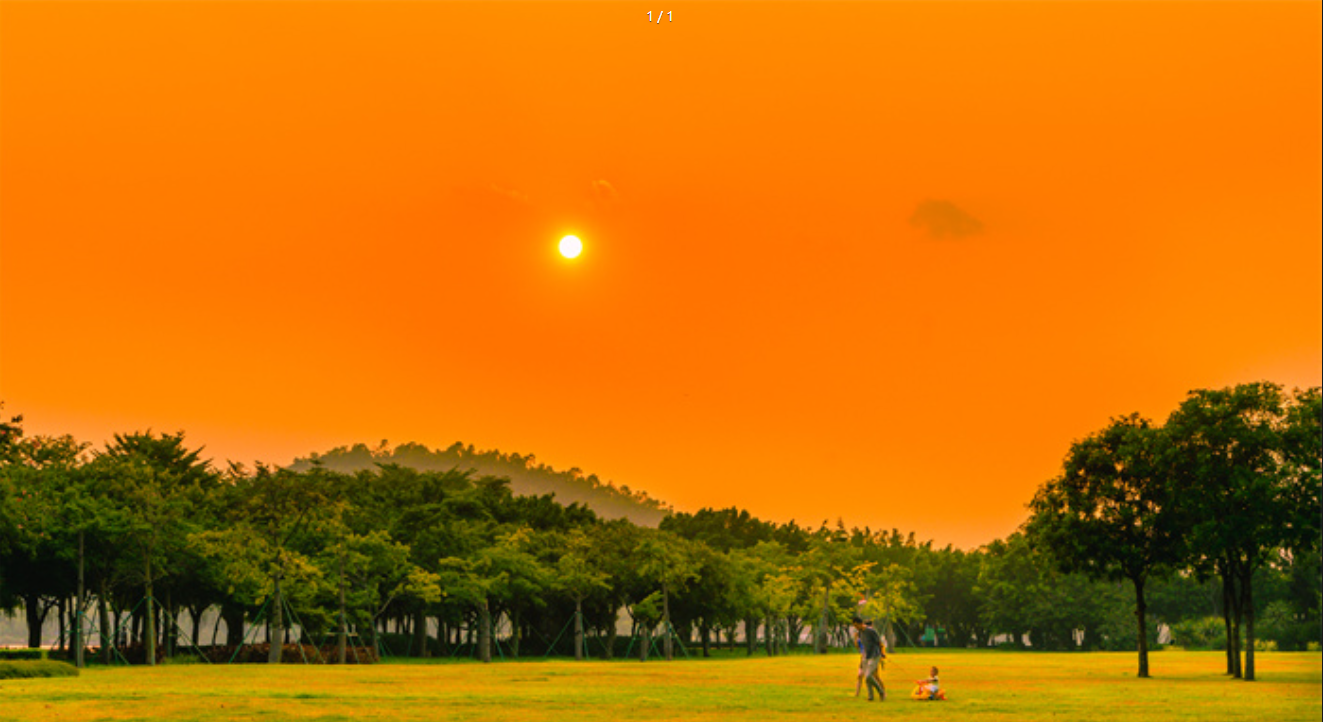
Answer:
(604, 195)
(514, 195)
(943, 219)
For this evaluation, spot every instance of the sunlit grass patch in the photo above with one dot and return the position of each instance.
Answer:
(982, 685)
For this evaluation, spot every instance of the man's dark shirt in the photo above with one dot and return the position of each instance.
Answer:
(872, 643)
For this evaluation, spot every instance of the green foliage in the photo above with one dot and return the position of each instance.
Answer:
(891, 596)
(723, 529)
(1024, 593)
(577, 575)
(648, 610)
(1288, 630)
(1243, 501)
(1110, 513)
(10, 433)
(183, 659)
(1117, 631)
(1201, 633)
(34, 669)
(15, 654)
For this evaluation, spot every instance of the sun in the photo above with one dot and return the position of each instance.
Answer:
(571, 246)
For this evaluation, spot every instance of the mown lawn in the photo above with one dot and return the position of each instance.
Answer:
(982, 685)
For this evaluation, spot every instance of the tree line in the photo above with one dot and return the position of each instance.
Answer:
(1214, 514)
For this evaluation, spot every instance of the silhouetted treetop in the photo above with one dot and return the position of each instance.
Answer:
(526, 475)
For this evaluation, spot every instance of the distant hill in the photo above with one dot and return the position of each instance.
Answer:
(526, 475)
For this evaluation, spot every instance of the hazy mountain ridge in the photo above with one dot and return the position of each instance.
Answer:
(526, 475)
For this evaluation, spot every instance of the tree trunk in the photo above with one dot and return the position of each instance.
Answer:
(420, 632)
(277, 625)
(484, 632)
(1237, 615)
(340, 652)
(1228, 605)
(60, 621)
(1227, 622)
(171, 615)
(1247, 604)
(611, 635)
(703, 633)
(78, 642)
(578, 629)
(750, 635)
(647, 642)
(667, 649)
(1141, 608)
(35, 618)
(516, 631)
(820, 638)
(150, 632)
(234, 620)
(107, 643)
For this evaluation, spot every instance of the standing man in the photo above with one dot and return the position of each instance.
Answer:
(857, 624)
(872, 657)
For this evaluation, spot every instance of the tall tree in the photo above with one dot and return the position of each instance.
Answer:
(1251, 491)
(268, 512)
(33, 570)
(152, 481)
(578, 576)
(1112, 513)
(890, 595)
(829, 561)
(76, 510)
(519, 581)
(473, 578)
(953, 602)
(668, 561)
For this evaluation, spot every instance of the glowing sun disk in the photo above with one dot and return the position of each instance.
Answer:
(571, 246)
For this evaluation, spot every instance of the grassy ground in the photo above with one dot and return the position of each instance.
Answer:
(982, 685)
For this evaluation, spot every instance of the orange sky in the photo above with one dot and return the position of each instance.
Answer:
(286, 226)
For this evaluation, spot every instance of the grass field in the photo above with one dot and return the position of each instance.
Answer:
(982, 685)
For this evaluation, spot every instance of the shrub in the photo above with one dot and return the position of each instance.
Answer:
(22, 653)
(1279, 624)
(27, 669)
(1205, 633)
(182, 659)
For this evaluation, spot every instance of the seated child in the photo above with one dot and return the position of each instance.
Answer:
(929, 689)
